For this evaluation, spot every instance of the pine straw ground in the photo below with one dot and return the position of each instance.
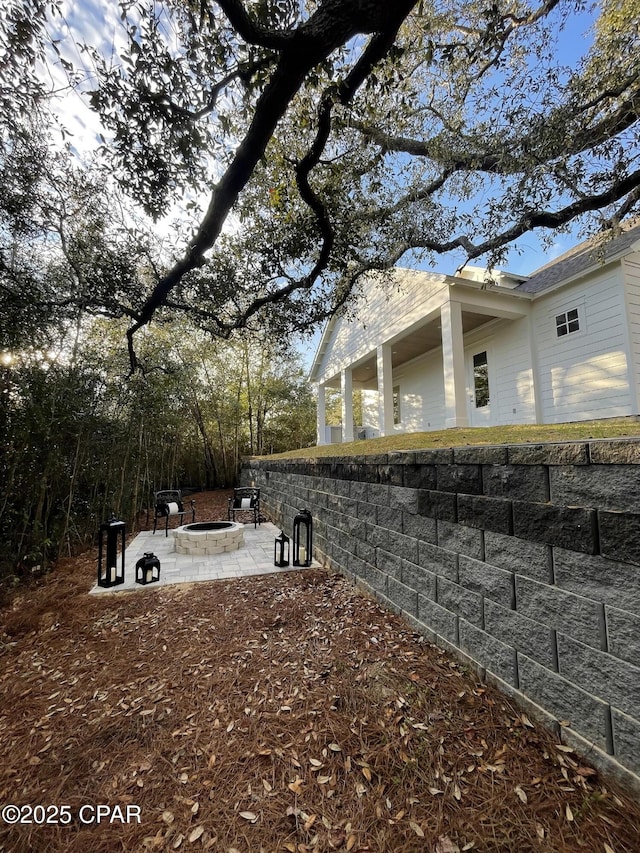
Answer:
(279, 713)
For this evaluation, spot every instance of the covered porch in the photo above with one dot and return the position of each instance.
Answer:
(446, 384)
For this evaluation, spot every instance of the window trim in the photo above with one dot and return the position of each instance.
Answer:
(478, 390)
(564, 322)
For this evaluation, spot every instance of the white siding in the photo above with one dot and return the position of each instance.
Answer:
(384, 310)
(631, 270)
(370, 410)
(510, 371)
(421, 384)
(585, 374)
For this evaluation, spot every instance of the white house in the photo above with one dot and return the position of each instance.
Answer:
(432, 351)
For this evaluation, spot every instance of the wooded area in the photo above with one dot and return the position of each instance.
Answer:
(255, 160)
(81, 441)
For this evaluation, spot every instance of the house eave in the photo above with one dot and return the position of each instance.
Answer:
(461, 284)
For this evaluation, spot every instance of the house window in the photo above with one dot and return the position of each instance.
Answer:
(397, 415)
(481, 379)
(567, 322)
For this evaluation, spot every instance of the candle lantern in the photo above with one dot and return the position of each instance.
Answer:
(148, 569)
(110, 564)
(281, 550)
(302, 542)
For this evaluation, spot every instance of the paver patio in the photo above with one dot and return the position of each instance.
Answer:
(255, 557)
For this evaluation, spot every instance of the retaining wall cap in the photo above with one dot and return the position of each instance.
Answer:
(487, 454)
(611, 451)
(572, 452)
(376, 459)
(402, 457)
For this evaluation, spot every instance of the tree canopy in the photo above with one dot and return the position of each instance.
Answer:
(310, 142)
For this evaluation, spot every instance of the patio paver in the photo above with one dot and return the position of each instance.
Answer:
(255, 557)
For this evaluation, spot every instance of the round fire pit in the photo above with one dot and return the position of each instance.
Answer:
(205, 538)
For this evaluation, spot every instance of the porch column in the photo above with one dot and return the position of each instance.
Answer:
(321, 416)
(455, 401)
(346, 384)
(385, 389)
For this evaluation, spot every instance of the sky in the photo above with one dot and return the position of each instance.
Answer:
(97, 22)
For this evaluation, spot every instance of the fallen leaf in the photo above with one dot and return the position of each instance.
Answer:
(366, 773)
(568, 813)
(250, 816)
(435, 791)
(586, 771)
(520, 793)
(195, 834)
(168, 817)
(323, 779)
(351, 840)
(177, 841)
(608, 849)
(296, 785)
(416, 828)
(526, 721)
(457, 793)
(267, 785)
(310, 821)
(334, 747)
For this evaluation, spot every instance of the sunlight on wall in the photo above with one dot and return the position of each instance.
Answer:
(595, 387)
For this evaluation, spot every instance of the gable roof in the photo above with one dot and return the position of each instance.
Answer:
(591, 254)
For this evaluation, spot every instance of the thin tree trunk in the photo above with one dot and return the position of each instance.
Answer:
(72, 481)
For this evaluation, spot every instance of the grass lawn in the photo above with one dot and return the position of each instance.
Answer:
(523, 434)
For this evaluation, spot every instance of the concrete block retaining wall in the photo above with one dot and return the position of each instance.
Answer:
(522, 560)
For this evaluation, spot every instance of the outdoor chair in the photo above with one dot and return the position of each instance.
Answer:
(168, 503)
(246, 499)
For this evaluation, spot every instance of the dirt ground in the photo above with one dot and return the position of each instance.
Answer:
(287, 712)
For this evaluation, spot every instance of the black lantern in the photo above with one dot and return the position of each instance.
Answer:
(109, 572)
(302, 538)
(281, 550)
(148, 569)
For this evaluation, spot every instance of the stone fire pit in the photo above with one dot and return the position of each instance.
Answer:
(205, 538)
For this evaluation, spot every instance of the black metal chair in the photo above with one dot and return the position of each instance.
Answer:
(246, 499)
(168, 503)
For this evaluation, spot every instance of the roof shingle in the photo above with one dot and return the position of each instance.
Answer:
(596, 250)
